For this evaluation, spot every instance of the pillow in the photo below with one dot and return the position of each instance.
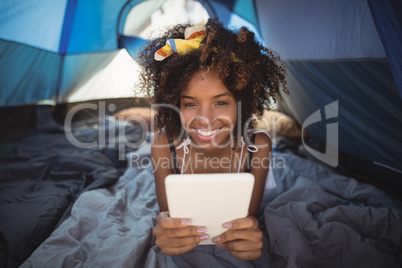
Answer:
(137, 116)
(279, 124)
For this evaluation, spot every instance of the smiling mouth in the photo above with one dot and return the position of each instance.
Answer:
(207, 133)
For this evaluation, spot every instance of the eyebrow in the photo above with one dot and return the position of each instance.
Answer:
(214, 97)
(222, 95)
(186, 97)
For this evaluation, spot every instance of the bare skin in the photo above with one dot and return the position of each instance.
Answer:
(207, 105)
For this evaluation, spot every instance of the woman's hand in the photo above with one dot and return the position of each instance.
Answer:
(174, 236)
(243, 239)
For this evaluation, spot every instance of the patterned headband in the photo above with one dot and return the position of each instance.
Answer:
(193, 37)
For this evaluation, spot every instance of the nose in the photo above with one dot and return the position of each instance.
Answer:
(205, 116)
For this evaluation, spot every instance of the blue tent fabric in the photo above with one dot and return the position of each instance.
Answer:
(320, 29)
(387, 16)
(351, 83)
(94, 26)
(132, 44)
(63, 28)
(40, 39)
(343, 65)
(233, 14)
(333, 52)
(36, 23)
(47, 54)
(27, 73)
(78, 68)
(244, 8)
(124, 12)
(67, 24)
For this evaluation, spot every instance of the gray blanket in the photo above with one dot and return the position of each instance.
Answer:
(314, 218)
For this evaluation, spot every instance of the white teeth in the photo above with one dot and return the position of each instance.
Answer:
(207, 133)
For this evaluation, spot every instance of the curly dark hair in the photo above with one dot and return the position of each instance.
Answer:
(254, 74)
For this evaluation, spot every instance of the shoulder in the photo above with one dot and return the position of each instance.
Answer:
(262, 152)
(160, 144)
(262, 138)
(160, 138)
(260, 163)
(263, 143)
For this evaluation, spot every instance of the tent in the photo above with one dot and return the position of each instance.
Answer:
(344, 53)
(73, 51)
(343, 59)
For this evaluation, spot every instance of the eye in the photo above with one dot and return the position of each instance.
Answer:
(220, 103)
(189, 104)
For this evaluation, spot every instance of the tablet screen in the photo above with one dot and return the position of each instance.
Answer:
(209, 199)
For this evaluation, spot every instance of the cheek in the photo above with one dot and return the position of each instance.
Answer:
(232, 114)
(229, 117)
(233, 118)
(182, 119)
(185, 117)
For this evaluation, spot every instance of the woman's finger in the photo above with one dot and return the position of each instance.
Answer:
(242, 245)
(243, 234)
(179, 242)
(167, 222)
(242, 223)
(178, 251)
(179, 232)
(243, 250)
(246, 255)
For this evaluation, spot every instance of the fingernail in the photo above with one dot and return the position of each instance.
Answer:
(186, 221)
(203, 237)
(227, 225)
(216, 239)
(201, 230)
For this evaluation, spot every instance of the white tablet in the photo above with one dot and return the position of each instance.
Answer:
(209, 199)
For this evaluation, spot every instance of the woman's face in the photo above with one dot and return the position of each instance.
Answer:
(208, 110)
